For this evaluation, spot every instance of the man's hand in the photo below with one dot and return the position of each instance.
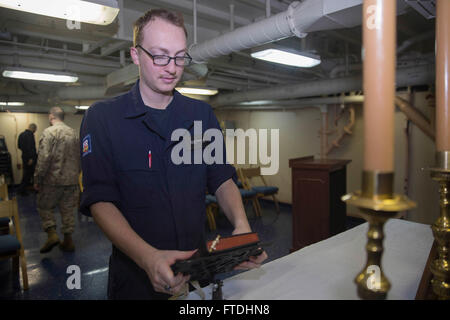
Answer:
(36, 187)
(253, 262)
(157, 266)
(30, 162)
(156, 263)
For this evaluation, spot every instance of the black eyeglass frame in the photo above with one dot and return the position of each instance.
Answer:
(186, 56)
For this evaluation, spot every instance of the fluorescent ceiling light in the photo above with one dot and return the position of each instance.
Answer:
(299, 59)
(257, 102)
(201, 91)
(40, 75)
(101, 12)
(82, 107)
(11, 104)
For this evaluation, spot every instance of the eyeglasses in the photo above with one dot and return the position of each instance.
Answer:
(163, 60)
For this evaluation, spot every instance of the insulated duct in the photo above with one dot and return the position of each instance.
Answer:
(404, 77)
(299, 18)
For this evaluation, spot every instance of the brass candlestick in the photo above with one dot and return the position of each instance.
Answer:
(377, 203)
(440, 267)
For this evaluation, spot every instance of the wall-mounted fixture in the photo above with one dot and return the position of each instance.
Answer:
(286, 56)
(101, 12)
(39, 75)
(200, 91)
(11, 104)
(82, 107)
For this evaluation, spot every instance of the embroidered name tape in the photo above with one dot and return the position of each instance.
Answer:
(87, 145)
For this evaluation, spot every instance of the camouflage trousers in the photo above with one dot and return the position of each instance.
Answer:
(63, 197)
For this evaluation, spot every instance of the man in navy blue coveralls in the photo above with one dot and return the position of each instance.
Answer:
(151, 209)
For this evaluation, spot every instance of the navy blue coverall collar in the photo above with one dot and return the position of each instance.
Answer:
(179, 117)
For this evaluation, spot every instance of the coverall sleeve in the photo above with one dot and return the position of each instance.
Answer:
(218, 173)
(99, 175)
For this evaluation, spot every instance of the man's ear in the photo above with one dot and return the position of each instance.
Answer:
(134, 55)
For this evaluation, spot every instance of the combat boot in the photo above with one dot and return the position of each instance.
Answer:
(67, 245)
(52, 240)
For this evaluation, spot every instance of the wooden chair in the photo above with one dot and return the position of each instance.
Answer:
(11, 245)
(4, 192)
(262, 190)
(4, 222)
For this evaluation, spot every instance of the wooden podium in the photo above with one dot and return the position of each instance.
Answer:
(317, 209)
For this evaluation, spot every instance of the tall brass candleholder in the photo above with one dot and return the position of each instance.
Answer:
(440, 267)
(377, 203)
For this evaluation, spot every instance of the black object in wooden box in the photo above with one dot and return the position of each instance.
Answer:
(228, 253)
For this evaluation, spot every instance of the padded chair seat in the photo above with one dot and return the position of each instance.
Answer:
(9, 243)
(247, 193)
(266, 190)
(4, 222)
(210, 199)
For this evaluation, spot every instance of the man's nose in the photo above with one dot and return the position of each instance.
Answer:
(172, 67)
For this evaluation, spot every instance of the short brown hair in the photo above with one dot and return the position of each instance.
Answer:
(57, 112)
(173, 17)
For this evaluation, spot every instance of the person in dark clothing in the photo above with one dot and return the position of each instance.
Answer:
(151, 207)
(27, 144)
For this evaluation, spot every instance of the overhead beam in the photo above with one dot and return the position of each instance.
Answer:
(261, 4)
(115, 46)
(203, 11)
(91, 47)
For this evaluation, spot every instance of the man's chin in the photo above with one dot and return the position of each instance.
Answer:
(166, 90)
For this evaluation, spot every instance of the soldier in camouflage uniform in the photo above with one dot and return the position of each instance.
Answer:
(56, 179)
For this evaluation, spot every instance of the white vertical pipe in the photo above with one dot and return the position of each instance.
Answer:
(194, 13)
(16, 57)
(65, 57)
(324, 131)
(268, 13)
(122, 58)
(231, 16)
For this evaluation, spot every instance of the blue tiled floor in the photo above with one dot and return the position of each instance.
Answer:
(48, 275)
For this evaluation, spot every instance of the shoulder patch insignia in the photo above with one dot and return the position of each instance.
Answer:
(87, 146)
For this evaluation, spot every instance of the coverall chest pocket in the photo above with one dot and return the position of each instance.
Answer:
(139, 188)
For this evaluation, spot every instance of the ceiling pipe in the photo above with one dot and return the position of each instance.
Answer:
(297, 103)
(346, 131)
(412, 76)
(194, 15)
(344, 69)
(293, 21)
(415, 116)
(81, 93)
(55, 64)
(408, 43)
(259, 71)
(36, 109)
